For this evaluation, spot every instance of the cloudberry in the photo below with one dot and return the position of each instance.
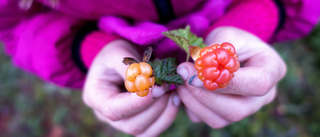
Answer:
(139, 78)
(216, 65)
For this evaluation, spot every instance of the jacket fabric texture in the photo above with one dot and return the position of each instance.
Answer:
(38, 34)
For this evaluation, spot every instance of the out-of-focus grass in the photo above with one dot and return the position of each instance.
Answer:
(31, 107)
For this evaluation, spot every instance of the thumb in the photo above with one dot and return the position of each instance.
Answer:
(189, 74)
(111, 57)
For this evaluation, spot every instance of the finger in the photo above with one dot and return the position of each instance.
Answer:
(237, 37)
(200, 110)
(165, 119)
(262, 64)
(139, 122)
(252, 81)
(247, 81)
(118, 106)
(232, 107)
(192, 116)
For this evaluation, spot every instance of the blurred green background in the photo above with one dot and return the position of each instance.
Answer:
(31, 107)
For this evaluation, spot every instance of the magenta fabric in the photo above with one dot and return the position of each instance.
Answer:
(264, 25)
(39, 38)
(139, 10)
(39, 42)
(97, 38)
(301, 17)
(147, 33)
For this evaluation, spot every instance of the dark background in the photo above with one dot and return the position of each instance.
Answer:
(31, 107)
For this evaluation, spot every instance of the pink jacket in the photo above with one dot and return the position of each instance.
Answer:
(38, 35)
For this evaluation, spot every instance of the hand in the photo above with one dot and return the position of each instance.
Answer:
(139, 116)
(252, 86)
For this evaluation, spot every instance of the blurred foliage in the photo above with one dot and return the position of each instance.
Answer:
(31, 107)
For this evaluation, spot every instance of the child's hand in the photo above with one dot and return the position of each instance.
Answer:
(126, 111)
(252, 86)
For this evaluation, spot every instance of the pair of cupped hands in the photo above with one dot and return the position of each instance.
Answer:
(252, 86)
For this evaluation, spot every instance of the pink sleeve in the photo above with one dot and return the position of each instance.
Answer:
(301, 16)
(92, 44)
(259, 17)
(40, 43)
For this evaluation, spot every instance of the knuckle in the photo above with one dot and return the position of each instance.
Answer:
(270, 99)
(235, 85)
(221, 33)
(265, 86)
(226, 32)
(99, 116)
(86, 98)
(282, 70)
(217, 122)
(217, 125)
(272, 95)
(237, 115)
(135, 130)
(109, 114)
(201, 94)
(195, 120)
(230, 33)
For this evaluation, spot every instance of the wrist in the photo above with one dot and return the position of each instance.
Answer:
(92, 44)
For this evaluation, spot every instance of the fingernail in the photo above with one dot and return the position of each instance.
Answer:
(195, 81)
(157, 92)
(175, 99)
(183, 72)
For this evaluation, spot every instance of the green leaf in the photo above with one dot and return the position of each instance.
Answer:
(165, 71)
(185, 38)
